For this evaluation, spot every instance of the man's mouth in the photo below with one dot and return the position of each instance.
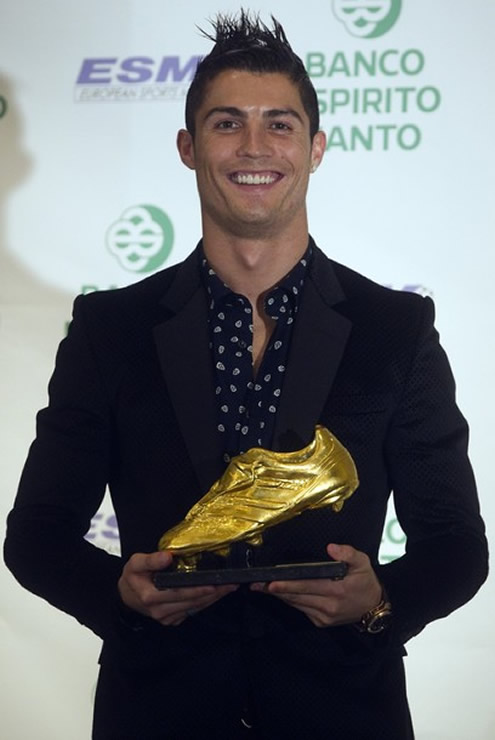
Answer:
(255, 178)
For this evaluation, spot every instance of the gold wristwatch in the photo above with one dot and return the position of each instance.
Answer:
(377, 619)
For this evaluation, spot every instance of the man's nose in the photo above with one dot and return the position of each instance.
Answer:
(255, 142)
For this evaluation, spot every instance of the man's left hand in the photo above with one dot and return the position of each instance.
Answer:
(326, 602)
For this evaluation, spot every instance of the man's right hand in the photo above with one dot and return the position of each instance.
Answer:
(171, 606)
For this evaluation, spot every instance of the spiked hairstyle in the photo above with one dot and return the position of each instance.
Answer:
(245, 42)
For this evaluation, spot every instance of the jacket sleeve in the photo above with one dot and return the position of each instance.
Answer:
(446, 558)
(61, 487)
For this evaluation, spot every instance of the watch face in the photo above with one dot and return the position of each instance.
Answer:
(379, 622)
(376, 619)
(377, 625)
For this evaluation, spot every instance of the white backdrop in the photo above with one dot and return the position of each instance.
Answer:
(91, 97)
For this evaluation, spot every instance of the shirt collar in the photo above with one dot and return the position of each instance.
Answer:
(286, 292)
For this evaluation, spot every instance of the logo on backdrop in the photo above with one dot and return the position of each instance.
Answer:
(131, 79)
(141, 239)
(373, 98)
(367, 20)
(393, 541)
(104, 532)
(3, 106)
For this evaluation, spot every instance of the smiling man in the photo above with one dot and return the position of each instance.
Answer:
(253, 341)
(252, 152)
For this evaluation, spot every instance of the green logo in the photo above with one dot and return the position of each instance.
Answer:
(3, 106)
(393, 541)
(367, 19)
(141, 239)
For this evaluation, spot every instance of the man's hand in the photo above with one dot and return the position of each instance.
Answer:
(328, 603)
(171, 606)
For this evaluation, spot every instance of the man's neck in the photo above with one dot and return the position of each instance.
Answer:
(251, 267)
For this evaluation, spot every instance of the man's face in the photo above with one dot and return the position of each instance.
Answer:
(252, 154)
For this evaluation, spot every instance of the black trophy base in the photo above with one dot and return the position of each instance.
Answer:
(334, 569)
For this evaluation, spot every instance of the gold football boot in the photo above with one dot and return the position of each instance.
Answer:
(260, 489)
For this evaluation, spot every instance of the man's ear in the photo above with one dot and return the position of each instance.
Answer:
(318, 147)
(185, 145)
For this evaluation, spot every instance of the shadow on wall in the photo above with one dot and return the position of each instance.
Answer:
(33, 314)
(17, 285)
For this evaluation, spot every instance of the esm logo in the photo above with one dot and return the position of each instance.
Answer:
(367, 19)
(135, 70)
(134, 79)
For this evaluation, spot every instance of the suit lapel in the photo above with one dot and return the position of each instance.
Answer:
(182, 341)
(318, 343)
(182, 344)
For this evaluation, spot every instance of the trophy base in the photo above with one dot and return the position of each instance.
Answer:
(334, 569)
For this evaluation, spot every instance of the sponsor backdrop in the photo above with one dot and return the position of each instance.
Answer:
(93, 196)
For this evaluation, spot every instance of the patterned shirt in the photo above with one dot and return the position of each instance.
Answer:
(247, 405)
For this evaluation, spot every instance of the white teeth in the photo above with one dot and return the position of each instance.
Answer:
(253, 179)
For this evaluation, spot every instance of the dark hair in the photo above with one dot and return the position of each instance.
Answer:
(244, 42)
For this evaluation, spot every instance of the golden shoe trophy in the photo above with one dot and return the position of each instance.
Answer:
(258, 490)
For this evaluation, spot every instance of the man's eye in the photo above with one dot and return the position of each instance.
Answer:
(227, 124)
(280, 126)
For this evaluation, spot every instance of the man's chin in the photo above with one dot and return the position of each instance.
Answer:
(254, 223)
(255, 228)
(247, 223)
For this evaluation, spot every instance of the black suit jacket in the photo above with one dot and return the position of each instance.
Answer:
(132, 406)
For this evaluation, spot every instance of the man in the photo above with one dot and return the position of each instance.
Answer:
(252, 341)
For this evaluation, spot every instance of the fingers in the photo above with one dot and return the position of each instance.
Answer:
(169, 606)
(323, 607)
(318, 599)
(140, 563)
(309, 587)
(354, 558)
(152, 598)
(326, 602)
(186, 604)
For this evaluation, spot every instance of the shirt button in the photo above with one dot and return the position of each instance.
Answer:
(242, 344)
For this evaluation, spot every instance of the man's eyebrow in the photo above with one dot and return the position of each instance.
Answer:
(277, 112)
(231, 110)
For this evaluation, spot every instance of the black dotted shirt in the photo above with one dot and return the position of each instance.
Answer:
(247, 405)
